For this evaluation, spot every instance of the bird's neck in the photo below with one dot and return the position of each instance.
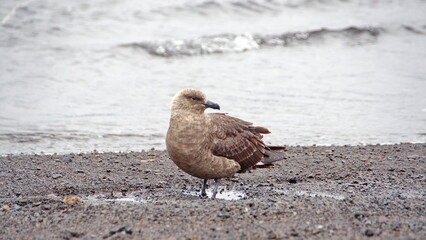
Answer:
(184, 114)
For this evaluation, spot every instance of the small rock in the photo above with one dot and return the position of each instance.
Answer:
(56, 176)
(147, 171)
(73, 234)
(5, 208)
(359, 216)
(223, 216)
(67, 159)
(79, 171)
(369, 233)
(69, 200)
(235, 180)
(122, 229)
(294, 234)
(53, 197)
(272, 235)
(45, 207)
(293, 180)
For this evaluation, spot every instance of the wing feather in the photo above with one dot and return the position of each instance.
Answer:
(238, 140)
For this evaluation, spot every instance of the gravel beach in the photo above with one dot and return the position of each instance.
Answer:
(336, 192)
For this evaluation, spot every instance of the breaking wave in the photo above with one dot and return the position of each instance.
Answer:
(226, 43)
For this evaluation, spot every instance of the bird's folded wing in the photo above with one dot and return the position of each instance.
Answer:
(236, 139)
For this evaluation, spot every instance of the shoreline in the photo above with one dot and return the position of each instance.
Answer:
(164, 150)
(322, 192)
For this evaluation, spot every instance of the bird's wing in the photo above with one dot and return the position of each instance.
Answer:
(236, 139)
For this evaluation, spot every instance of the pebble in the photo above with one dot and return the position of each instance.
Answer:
(369, 233)
(56, 176)
(293, 180)
(5, 208)
(67, 159)
(359, 216)
(272, 235)
(223, 216)
(45, 207)
(122, 229)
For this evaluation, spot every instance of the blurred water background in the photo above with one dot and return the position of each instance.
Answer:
(82, 75)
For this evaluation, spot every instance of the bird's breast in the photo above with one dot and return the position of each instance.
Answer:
(186, 136)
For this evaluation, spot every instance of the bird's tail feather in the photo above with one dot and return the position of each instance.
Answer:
(276, 148)
(271, 157)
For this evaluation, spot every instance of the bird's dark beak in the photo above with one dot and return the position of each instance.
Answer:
(213, 105)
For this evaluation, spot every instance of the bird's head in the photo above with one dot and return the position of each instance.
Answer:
(192, 100)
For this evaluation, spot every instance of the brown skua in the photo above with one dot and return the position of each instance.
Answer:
(214, 145)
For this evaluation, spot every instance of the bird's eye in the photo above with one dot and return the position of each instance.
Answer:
(195, 99)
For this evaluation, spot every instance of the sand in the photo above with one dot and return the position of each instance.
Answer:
(337, 192)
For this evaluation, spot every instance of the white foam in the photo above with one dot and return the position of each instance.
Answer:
(103, 199)
(311, 194)
(222, 194)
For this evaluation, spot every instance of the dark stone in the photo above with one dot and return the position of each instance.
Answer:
(293, 180)
(224, 216)
(45, 207)
(122, 229)
(359, 216)
(369, 233)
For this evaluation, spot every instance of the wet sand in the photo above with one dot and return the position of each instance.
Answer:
(342, 192)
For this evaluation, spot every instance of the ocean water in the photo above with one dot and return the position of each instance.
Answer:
(82, 75)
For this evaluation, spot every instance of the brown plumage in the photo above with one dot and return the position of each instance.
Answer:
(215, 145)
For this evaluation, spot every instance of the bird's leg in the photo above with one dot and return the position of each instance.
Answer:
(216, 181)
(203, 189)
